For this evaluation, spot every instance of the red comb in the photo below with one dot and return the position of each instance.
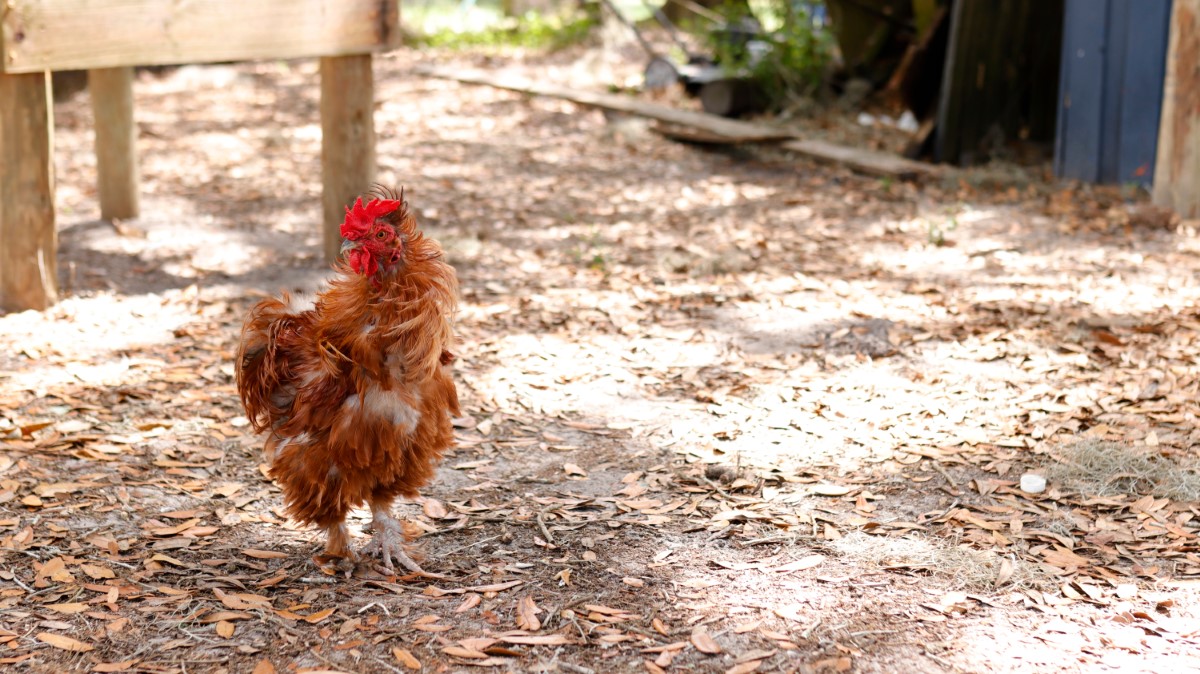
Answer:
(360, 216)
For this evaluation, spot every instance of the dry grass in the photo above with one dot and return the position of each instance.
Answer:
(1111, 468)
(960, 567)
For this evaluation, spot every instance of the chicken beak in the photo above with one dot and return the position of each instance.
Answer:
(347, 244)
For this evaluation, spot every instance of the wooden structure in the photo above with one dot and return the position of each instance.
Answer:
(699, 127)
(1177, 168)
(108, 38)
(1000, 77)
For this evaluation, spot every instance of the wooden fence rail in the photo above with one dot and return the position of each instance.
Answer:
(108, 38)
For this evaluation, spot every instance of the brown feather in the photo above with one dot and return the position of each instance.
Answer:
(355, 393)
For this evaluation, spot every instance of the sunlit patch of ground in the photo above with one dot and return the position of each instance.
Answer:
(712, 398)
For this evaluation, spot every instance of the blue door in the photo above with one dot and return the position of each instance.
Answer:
(1110, 89)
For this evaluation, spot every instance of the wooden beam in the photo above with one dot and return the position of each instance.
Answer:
(733, 131)
(701, 127)
(863, 161)
(116, 140)
(28, 240)
(347, 139)
(85, 34)
(1177, 167)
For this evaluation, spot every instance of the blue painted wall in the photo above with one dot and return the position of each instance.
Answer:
(1110, 89)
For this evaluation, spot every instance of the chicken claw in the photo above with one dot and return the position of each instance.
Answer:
(388, 542)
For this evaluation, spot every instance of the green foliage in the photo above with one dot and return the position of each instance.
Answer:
(937, 231)
(531, 31)
(589, 252)
(794, 56)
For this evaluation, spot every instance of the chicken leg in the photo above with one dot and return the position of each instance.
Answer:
(388, 539)
(338, 554)
(337, 541)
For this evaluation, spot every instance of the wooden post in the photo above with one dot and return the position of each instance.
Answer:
(116, 140)
(347, 139)
(1177, 165)
(28, 242)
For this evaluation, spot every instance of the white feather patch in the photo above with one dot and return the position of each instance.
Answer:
(300, 303)
(389, 405)
(302, 439)
(386, 405)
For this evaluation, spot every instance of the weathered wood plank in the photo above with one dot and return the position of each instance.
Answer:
(704, 128)
(1177, 168)
(864, 161)
(84, 34)
(733, 131)
(347, 139)
(111, 91)
(28, 241)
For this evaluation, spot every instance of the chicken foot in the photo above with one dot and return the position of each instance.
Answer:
(388, 540)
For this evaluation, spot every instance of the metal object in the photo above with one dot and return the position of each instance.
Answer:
(720, 92)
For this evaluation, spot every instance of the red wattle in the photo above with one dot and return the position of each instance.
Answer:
(362, 262)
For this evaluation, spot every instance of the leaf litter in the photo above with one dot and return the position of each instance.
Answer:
(724, 413)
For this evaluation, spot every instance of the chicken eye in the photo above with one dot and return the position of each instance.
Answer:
(381, 235)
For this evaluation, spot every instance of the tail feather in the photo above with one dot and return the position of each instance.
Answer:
(263, 368)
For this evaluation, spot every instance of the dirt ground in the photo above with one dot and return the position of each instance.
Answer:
(729, 410)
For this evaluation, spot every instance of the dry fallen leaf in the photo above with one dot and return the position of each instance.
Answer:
(478, 643)
(406, 658)
(829, 489)
(63, 642)
(225, 629)
(56, 570)
(1064, 558)
(317, 617)
(264, 666)
(527, 615)
(800, 564)
(841, 664)
(469, 602)
(703, 642)
(535, 639)
(434, 509)
(264, 554)
(745, 667)
(217, 616)
(466, 653)
(74, 607)
(97, 572)
(1004, 573)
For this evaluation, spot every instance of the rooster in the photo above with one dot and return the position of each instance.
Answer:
(354, 389)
